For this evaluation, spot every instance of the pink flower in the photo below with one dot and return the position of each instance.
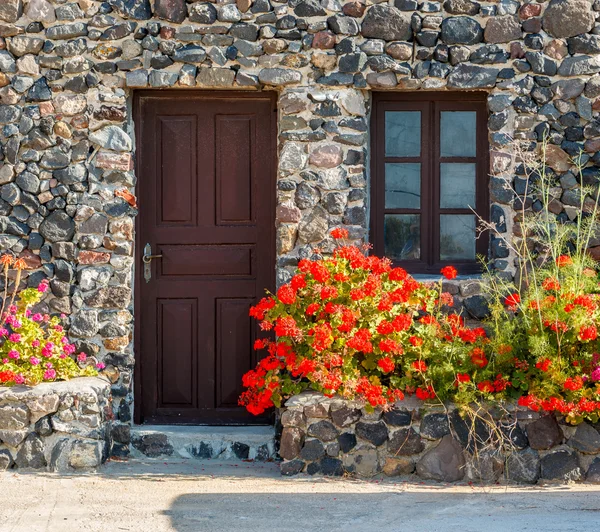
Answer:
(49, 365)
(42, 287)
(28, 313)
(63, 316)
(49, 345)
(12, 309)
(69, 349)
(100, 365)
(46, 352)
(19, 379)
(62, 356)
(34, 361)
(49, 374)
(16, 324)
(64, 340)
(58, 328)
(3, 332)
(5, 361)
(35, 343)
(596, 374)
(14, 337)
(37, 317)
(13, 353)
(81, 357)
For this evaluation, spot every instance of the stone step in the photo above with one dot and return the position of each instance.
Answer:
(201, 442)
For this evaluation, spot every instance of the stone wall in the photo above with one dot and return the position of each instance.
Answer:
(58, 426)
(332, 437)
(68, 70)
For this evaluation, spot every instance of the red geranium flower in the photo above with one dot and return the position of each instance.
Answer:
(543, 364)
(512, 300)
(563, 260)
(419, 366)
(386, 364)
(449, 272)
(339, 233)
(486, 386)
(286, 294)
(587, 333)
(462, 377)
(478, 357)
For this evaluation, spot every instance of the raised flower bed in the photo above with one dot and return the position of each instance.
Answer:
(329, 436)
(56, 426)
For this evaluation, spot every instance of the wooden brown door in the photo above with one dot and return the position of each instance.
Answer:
(206, 197)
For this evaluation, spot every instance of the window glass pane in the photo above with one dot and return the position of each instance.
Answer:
(403, 133)
(402, 235)
(458, 133)
(457, 185)
(457, 237)
(402, 185)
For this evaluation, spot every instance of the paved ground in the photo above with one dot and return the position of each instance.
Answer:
(229, 497)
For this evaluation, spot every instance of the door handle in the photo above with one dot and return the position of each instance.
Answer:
(147, 260)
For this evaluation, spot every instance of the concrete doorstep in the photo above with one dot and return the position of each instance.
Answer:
(224, 443)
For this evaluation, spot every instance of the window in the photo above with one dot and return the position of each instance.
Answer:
(429, 170)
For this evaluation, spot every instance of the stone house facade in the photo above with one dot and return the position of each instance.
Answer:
(223, 140)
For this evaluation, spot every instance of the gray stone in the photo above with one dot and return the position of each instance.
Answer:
(477, 306)
(6, 459)
(136, 9)
(544, 433)
(472, 77)
(162, 79)
(435, 426)
(444, 463)
(191, 53)
(14, 417)
(561, 465)
(23, 44)
(405, 442)
(112, 138)
(109, 297)
(279, 76)
(85, 454)
(344, 416)
(586, 439)
(331, 467)
(292, 440)
(567, 18)
(593, 473)
(461, 30)
(204, 13)
(67, 31)
(7, 62)
(31, 454)
(215, 77)
(84, 323)
(71, 175)
(387, 23)
(323, 430)
(312, 450)
(153, 445)
(11, 10)
(58, 226)
(228, 13)
(502, 29)
(461, 7)
(375, 433)
(309, 8)
(579, 65)
(314, 227)
(171, 10)
(307, 195)
(292, 467)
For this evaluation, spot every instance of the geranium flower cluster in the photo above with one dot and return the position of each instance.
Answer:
(355, 326)
(552, 327)
(33, 346)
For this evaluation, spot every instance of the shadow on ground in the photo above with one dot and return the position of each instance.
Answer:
(393, 511)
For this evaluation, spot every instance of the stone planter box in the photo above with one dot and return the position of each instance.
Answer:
(55, 426)
(330, 436)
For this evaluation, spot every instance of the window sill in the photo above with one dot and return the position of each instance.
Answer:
(429, 278)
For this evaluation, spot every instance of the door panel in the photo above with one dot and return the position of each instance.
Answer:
(206, 167)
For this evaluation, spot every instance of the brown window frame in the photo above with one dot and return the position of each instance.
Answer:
(430, 104)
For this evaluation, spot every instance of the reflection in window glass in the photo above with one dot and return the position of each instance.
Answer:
(457, 185)
(458, 133)
(403, 133)
(402, 235)
(457, 237)
(402, 185)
